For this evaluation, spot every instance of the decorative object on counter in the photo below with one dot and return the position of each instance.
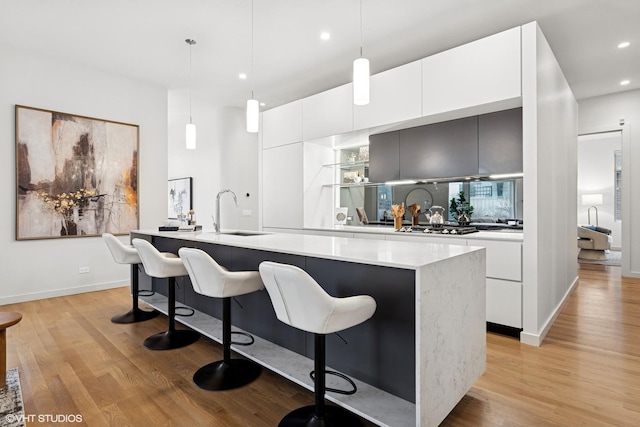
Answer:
(461, 209)
(76, 175)
(192, 217)
(340, 217)
(414, 210)
(362, 216)
(180, 197)
(397, 212)
(436, 219)
(363, 154)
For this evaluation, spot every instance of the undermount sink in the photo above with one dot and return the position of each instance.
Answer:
(243, 233)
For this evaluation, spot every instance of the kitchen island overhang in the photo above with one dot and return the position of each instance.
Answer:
(417, 356)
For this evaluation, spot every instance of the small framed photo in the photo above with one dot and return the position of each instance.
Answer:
(180, 197)
(363, 154)
(350, 177)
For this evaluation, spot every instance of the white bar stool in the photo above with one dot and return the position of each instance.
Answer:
(165, 265)
(210, 279)
(299, 301)
(123, 254)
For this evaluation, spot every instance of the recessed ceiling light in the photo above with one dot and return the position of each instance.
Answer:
(243, 76)
(325, 36)
(262, 104)
(625, 82)
(623, 44)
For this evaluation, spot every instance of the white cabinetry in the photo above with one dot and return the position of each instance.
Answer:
(282, 125)
(395, 97)
(504, 281)
(481, 72)
(328, 113)
(282, 184)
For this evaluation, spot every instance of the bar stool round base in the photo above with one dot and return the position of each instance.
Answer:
(134, 316)
(171, 339)
(334, 416)
(223, 375)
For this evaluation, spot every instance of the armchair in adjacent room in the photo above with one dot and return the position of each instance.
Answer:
(594, 242)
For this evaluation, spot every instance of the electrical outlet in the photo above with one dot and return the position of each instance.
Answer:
(246, 212)
(83, 270)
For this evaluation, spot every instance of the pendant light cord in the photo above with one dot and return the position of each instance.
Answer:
(190, 49)
(360, 28)
(252, 75)
(190, 42)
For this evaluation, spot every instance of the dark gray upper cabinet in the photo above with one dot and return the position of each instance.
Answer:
(440, 150)
(384, 164)
(500, 142)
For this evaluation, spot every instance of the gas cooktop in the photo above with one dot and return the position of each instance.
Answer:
(445, 229)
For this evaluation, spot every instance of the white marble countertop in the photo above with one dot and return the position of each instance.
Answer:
(505, 235)
(407, 255)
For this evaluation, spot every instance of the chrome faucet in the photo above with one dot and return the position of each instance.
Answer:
(216, 221)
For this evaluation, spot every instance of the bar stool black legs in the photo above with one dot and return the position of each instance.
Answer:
(135, 314)
(320, 414)
(171, 338)
(228, 373)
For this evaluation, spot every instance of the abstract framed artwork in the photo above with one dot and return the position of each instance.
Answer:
(75, 175)
(180, 197)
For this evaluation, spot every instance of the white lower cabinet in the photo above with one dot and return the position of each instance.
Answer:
(504, 302)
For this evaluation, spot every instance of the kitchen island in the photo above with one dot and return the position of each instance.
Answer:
(413, 360)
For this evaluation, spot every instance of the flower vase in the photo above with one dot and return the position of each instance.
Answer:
(397, 222)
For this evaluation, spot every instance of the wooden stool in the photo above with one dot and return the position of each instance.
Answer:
(7, 318)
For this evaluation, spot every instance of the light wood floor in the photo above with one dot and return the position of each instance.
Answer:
(73, 361)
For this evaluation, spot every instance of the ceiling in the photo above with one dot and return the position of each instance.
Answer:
(145, 39)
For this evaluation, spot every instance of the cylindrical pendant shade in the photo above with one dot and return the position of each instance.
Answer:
(191, 136)
(361, 81)
(253, 116)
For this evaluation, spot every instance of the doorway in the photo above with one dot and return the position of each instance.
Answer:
(600, 185)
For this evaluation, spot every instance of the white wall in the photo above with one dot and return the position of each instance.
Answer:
(226, 157)
(603, 113)
(550, 186)
(596, 175)
(37, 269)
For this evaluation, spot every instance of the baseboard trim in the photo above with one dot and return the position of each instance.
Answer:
(13, 299)
(536, 339)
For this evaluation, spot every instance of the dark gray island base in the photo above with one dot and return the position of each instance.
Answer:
(379, 354)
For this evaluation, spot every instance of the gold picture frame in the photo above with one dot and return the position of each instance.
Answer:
(76, 176)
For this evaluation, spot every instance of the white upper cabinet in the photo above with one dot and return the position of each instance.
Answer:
(328, 113)
(395, 96)
(484, 71)
(282, 199)
(282, 125)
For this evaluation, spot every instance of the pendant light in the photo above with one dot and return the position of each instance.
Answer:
(253, 110)
(190, 133)
(361, 74)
